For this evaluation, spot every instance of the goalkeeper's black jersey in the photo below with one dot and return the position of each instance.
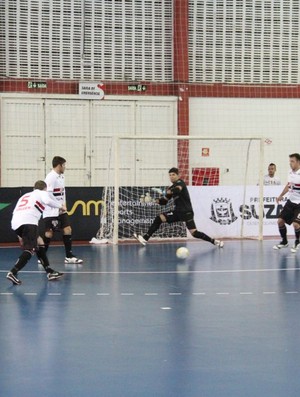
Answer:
(182, 201)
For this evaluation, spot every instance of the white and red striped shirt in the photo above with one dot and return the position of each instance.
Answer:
(56, 188)
(294, 186)
(30, 208)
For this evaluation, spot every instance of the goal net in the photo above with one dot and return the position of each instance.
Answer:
(224, 177)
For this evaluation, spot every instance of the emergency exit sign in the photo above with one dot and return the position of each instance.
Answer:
(137, 87)
(37, 84)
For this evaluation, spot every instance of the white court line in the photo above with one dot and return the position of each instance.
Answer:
(156, 294)
(191, 271)
(174, 271)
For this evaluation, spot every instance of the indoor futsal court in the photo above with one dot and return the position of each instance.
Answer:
(136, 321)
(173, 122)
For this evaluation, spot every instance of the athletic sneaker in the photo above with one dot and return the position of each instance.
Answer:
(54, 275)
(140, 239)
(73, 259)
(295, 247)
(282, 244)
(219, 243)
(13, 278)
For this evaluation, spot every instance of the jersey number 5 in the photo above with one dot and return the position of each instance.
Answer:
(24, 201)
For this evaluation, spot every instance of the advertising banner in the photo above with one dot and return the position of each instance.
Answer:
(84, 207)
(137, 211)
(219, 210)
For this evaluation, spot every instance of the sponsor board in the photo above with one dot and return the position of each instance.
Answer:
(138, 212)
(219, 210)
(84, 205)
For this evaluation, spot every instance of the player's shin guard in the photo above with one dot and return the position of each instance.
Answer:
(41, 254)
(283, 232)
(21, 262)
(67, 238)
(203, 236)
(152, 229)
(297, 233)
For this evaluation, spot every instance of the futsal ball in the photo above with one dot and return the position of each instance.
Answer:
(182, 253)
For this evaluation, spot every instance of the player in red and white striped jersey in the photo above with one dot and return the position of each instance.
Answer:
(290, 213)
(54, 220)
(25, 219)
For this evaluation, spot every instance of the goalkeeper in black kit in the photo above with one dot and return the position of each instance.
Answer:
(183, 211)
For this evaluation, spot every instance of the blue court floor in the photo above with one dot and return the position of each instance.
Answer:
(135, 321)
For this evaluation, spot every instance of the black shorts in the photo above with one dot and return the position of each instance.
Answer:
(59, 222)
(29, 235)
(290, 213)
(186, 217)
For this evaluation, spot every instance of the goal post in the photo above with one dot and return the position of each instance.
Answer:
(224, 176)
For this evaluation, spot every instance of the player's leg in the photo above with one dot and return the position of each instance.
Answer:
(162, 218)
(42, 256)
(296, 224)
(27, 234)
(47, 227)
(283, 233)
(286, 216)
(67, 239)
(50, 224)
(190, 224)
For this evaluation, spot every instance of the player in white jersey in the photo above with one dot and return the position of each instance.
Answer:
(53, 219)
(271, 179)
(290, 213)
(25, 219)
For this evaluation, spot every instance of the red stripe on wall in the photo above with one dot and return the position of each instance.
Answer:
(165, 89)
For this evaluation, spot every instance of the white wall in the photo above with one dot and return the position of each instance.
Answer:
(34, 129)
(275, 119)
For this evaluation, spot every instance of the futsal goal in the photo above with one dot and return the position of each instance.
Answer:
(224, 177)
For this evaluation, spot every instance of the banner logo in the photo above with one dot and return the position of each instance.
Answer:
(222, 211)
(86, 207)
(3, 205)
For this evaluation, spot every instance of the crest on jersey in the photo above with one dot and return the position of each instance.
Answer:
(55, 224)
(222, 211)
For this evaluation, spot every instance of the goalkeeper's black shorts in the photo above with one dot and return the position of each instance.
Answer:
(186, 217)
